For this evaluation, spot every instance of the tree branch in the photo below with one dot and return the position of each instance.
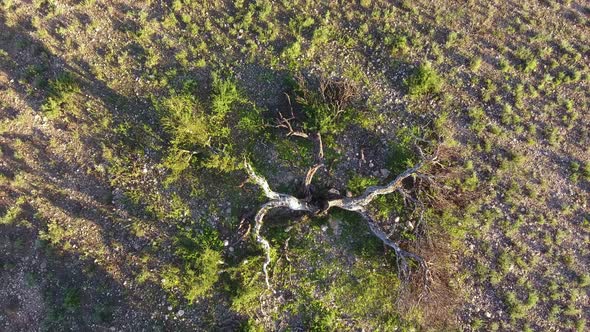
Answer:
(261, 182)
(308, 178)
(276, 200)
(360, 202)
(400, 254)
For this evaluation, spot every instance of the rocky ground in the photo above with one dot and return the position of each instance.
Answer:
(96, 234)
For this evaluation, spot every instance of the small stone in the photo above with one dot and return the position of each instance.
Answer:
(324, 228)
(384, 172)
(180, 313)
(348, 193)
(488, 314)
(225, 243)
(334, 191)
(231, 249)
(169, 308)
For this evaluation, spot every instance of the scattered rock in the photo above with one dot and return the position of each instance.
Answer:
(334, 191)
(384, 172)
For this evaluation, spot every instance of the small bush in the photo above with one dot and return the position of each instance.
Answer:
(184, 119)
(357, 184)
(527, 59)
(199, 254)
(475, 63)
(203, 136)
(318, 318)
(478, 119)
(400, 154)
(247, 286)
(423, 81)
(519, 309)
(293, 52)
(186, 122)
(328, 107)
(13, 213)
(72, 299)
(400, 45)
(61, 92)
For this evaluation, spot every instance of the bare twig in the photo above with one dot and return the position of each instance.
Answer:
(286, 123)
(308, 178)
(283, 122)
(320, 147)
(400, 254)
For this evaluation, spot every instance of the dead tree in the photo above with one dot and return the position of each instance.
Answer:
(338, 96)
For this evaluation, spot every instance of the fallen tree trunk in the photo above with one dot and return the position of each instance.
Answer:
(357, 204)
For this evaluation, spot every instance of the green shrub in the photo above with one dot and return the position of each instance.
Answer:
(327, 109)
(475, 63)
(186, 122)
(318, 318)
(586, 171)
(199, 254)
(184, 119)
(400, 45)
(292, 52)
(357, 184)
(369, 297)
(247, 286)
(399, 158)
(517, 309)
(423, 80)
(527, 59)
(584, 280)
(225, 95)
(478, 119)
(203, 137)
(72, 299)
(250, 326)
(61, 93)
(13, 213)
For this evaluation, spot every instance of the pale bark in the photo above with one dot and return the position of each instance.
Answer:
(358, 204)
